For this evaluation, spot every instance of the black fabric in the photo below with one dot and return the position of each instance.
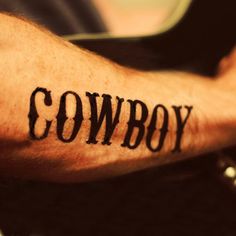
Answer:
(181, 199)
(197, 43)
(61, 16)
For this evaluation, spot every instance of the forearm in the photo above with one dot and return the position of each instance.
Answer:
(75, 116)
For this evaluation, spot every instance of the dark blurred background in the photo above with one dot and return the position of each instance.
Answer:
(186, 198)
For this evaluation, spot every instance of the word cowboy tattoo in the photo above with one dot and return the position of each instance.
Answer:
(111, 118)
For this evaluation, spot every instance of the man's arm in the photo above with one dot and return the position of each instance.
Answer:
(70, 115)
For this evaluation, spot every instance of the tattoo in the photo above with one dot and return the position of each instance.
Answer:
(61, 117)
(106, 111)
(33, 114)
(152, 127)
(180, 125)
(133, 122)
(111, 119)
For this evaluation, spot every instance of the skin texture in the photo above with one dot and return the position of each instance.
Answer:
(32, 57)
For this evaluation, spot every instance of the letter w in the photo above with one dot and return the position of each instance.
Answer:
(106, 112)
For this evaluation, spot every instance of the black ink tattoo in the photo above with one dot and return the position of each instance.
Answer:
(61, 117)
(134, 123)
(111, 118)
(33, 114)
(180, 125)
(152, 127)
(106, 112)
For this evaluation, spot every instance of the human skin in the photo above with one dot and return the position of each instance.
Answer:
(31, 58)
